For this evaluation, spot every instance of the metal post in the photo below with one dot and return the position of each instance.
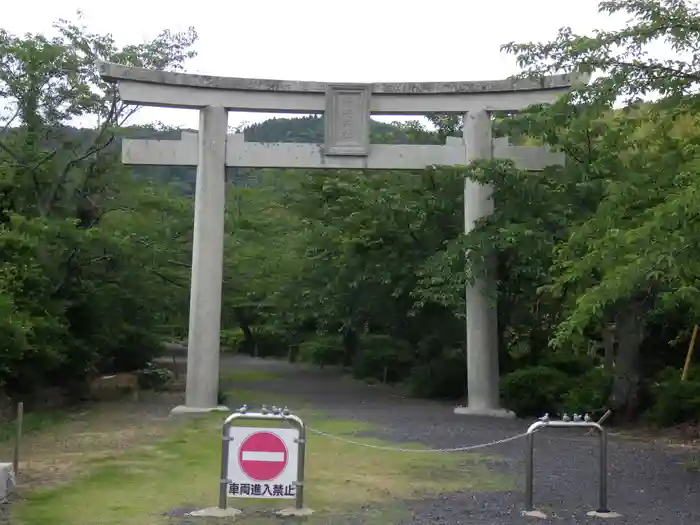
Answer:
(603, 483)
(529, 458)
(299, 503)
(223, 478)
(283, 416)
(529, 470)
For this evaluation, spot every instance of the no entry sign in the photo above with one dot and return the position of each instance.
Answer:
(262, 462)
(263, 456)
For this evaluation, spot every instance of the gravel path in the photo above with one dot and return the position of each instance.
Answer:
(648, 483)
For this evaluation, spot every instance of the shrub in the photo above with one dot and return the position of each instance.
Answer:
(443, 376)
(674, 401)
(382, 357)
(589, 393)
(222, 397)
(133, 350)
(231, 340)
(153, 377)
(322, 350)
(535, 390)
(34, 350)
(573, 365)
(271, 340)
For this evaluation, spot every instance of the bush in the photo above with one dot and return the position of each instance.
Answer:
(573, 365)
(534, 390)
(271, 340)
(322, 350)
(231, 340)
(674, 401)
(383, 358)
(133, 350)
(155, 378)
(222, 398)
(443, 376)
(589, 393)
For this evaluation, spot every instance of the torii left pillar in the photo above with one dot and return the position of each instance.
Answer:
(207, 265)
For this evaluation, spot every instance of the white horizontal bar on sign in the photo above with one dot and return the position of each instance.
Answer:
(146, 94)
(253, 455)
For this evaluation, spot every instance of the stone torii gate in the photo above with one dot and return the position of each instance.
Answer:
(347, 109)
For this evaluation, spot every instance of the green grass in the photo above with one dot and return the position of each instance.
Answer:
(248, 376)
(139, 485)
(32, 422)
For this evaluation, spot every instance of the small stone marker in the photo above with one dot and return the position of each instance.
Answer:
(263, 463)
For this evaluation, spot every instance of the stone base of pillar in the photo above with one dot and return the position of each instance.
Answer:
(183, 410)
(484, 412)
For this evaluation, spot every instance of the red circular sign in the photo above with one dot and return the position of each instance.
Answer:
(262, 456)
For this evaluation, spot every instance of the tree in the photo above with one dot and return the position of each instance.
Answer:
(83, 256)
(634, 155)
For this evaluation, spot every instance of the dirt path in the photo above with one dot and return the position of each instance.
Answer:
(648, 482)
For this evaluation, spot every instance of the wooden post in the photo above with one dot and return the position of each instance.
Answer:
(18, 439)
(689, 355)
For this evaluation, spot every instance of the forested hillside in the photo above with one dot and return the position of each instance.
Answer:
(598, 290)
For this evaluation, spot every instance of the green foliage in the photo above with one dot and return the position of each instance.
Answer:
(560, 386)
(84, 278)
(571, 364)
(153, 377)
(271, 341)
(675, 401)
(534, 391)
(322, 350)
(443, 376)
(222, 397)
(588, 393)
(382, 357)
(96, 258)
(623, 252)
(232, 340)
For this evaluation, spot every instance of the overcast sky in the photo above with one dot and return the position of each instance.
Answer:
(341, 41)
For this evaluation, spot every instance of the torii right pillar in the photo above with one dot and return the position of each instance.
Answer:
(482, 321)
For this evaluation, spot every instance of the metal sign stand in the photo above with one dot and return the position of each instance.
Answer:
(274, 414)
(566, 422)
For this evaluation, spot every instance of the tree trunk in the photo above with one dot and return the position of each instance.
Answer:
(609, 340)
(350, 343)
(250, 345)
(624, 399)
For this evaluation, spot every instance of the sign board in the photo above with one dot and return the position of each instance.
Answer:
(262, 462)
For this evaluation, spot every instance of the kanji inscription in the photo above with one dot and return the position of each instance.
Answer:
(347, 120)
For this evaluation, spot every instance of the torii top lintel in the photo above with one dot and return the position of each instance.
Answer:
(173, 89)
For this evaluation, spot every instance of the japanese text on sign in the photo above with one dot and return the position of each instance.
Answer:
(261, 490)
